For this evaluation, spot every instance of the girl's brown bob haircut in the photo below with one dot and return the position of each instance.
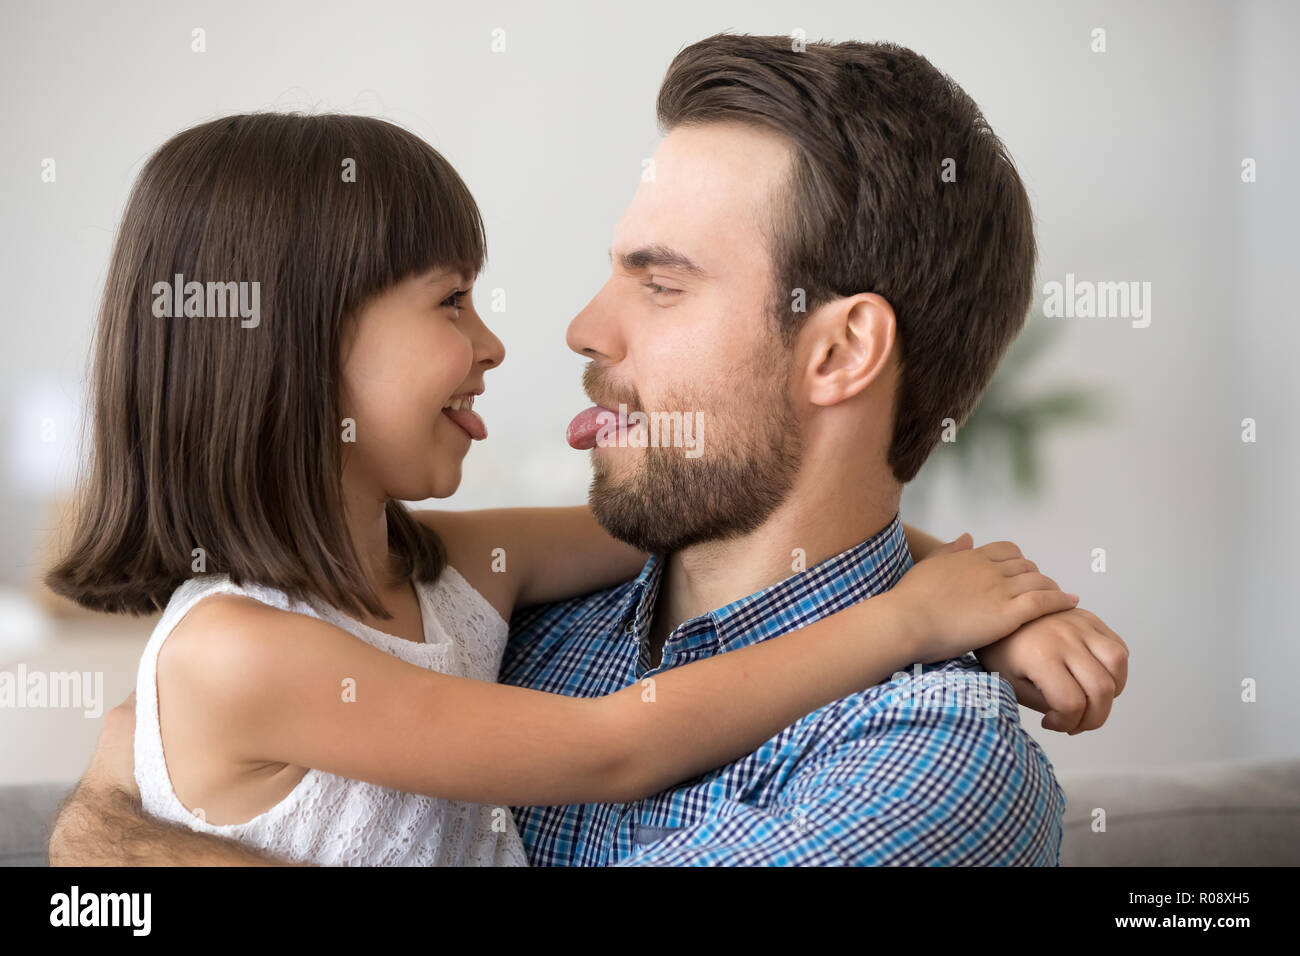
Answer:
(217, 444)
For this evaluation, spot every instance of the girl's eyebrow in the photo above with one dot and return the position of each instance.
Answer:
(441, 275)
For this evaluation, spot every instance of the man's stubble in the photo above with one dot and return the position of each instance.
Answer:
(745, 472)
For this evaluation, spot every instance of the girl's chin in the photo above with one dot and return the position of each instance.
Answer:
(442, 481)
(444, 492)
(447, 480)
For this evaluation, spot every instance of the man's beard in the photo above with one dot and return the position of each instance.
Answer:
(744, 473)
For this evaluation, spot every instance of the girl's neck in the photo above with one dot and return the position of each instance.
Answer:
(367, 518)
(368, 524)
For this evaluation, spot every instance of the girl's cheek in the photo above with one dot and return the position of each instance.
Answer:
(453, 352)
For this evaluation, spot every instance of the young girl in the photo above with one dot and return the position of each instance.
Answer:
(287, 349)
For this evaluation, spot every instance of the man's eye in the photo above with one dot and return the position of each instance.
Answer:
(657, 289)
(454, 300)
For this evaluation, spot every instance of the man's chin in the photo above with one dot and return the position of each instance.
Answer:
(625, 515)
(614, 472)
(633, 534)
(612, 457)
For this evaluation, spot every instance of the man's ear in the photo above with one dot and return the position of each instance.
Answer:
(849, 342)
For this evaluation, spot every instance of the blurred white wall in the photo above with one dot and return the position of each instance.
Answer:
(1132, 158)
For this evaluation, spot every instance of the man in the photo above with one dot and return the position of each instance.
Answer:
(829, 259)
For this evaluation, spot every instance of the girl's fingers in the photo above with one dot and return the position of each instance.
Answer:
(1028, 695)
(1030, 581)
(1034, 604)
(1064, 701)
(1102, 626)
(1111, 655)
(1000, 551)
(1097, 685)
(1014, 566)
(1053, 721)
(962, 543)
(1108, 647)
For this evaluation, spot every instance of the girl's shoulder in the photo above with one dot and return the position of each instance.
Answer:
(203, 587)
(208, 620)
(224, 639)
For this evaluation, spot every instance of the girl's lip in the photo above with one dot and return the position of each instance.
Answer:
(462, 397)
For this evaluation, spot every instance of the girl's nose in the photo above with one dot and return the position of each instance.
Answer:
(491, 352)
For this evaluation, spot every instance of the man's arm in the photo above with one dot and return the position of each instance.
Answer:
(108, 827)
(902, 784)
(103, 824)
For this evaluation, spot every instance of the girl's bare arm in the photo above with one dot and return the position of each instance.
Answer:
(271, 684)
(522, 556)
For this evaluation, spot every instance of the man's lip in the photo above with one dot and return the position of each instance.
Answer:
(622, 419)
(611, 407)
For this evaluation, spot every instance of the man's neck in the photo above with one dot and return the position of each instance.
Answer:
(803, 532)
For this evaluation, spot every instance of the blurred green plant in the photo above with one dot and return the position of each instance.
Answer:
(1007, 426)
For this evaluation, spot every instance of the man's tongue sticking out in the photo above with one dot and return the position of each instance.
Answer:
(586, 425)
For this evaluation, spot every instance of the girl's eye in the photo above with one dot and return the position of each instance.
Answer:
(454, 300)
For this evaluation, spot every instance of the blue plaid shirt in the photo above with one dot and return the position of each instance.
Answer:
(932, 767)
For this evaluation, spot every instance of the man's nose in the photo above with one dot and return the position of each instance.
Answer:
(594, 332)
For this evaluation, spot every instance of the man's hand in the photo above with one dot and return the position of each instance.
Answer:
(103, 824)
(1068, 665)
(113, 763)
(107, 788)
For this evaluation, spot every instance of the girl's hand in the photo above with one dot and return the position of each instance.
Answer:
(961, 598)
(1069, 666)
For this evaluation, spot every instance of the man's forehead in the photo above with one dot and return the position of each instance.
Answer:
(707, 194)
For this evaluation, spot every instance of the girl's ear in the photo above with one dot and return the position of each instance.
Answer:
(847, 344)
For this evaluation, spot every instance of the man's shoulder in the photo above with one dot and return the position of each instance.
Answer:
(942, 747)
(950, 722)
(959, 685)
(953, 701)
(550, 645)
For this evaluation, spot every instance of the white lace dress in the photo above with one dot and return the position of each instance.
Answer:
(330, 820)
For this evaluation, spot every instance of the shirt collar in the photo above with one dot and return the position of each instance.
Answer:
(868, 568)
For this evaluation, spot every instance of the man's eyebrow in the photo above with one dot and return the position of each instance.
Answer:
(658, 255)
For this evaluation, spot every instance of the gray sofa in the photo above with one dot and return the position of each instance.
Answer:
(26, 812)
(1215, 814)
(1223, 814)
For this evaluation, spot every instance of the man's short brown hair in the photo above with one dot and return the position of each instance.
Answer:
(874, 127)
